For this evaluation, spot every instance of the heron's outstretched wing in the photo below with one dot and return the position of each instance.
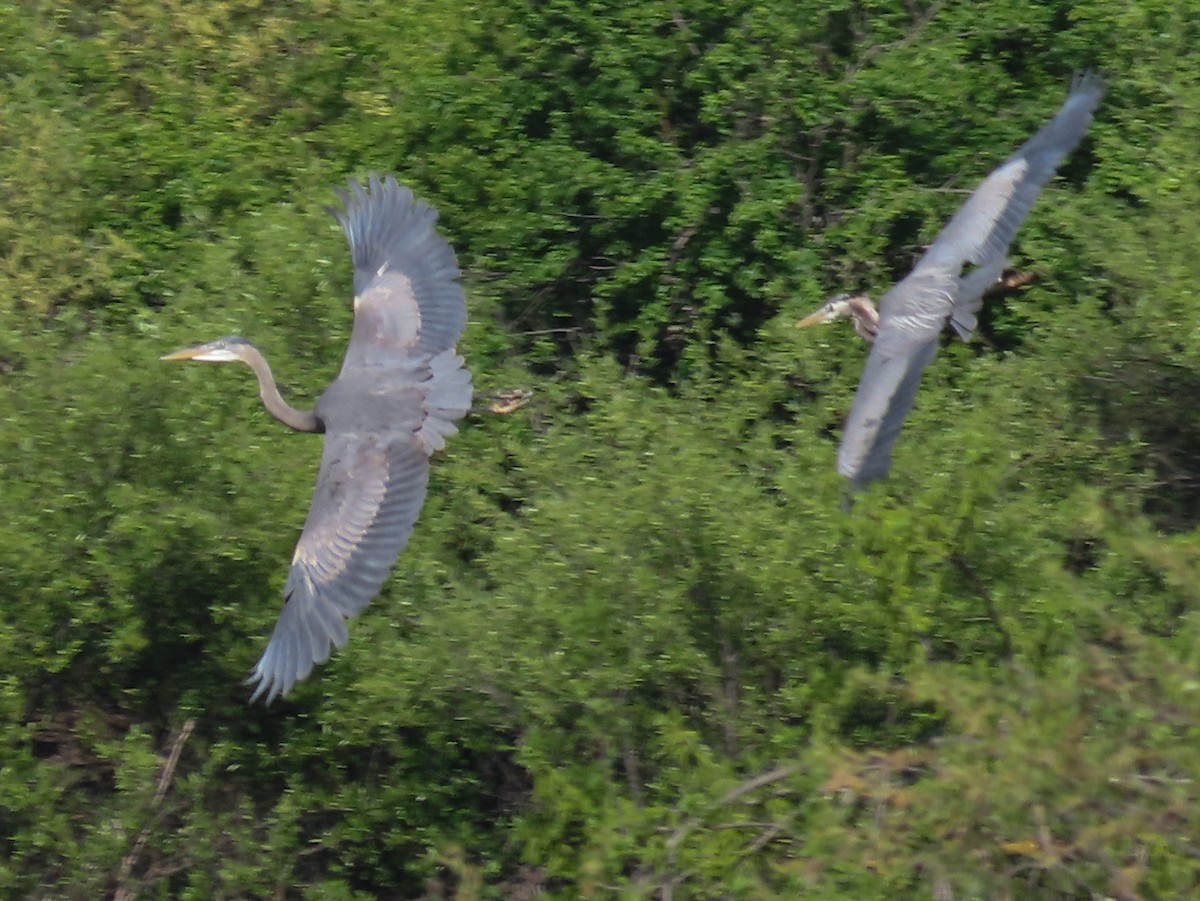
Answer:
(981, 231)
(408, 302)
(885, 395)
(369, 493)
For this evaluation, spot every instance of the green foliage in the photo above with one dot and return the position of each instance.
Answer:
(636, 647)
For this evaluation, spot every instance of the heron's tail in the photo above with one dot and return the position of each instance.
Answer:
(447, 399)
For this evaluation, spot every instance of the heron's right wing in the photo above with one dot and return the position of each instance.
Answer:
(369, 492)
(980, 232)
(885, 395)
(408, 302)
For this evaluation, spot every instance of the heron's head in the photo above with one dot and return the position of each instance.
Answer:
(224, 350)
(866, 319)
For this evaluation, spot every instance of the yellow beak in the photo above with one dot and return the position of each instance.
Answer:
(818, 318)
(187, 353)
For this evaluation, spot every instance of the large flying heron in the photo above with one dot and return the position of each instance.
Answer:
(401, 388)
(946, 285)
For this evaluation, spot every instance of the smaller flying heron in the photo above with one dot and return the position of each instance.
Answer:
(946, 286)
(401, 388)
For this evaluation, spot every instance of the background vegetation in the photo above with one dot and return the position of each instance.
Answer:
(635, 648)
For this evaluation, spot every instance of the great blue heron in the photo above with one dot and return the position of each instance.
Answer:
(946, 285)
(401, 388)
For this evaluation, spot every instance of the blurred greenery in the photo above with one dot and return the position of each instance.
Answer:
(636, 648)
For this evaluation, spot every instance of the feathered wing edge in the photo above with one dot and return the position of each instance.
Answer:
(885, 395)
(387, 226)
(981, 231)
(369, 496)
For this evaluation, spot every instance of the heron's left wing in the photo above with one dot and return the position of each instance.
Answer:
(885, 395)
(981, 231)
(407, 296)
(370, 490)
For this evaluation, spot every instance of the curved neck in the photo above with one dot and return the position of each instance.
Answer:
(300, 420)
(866, 317)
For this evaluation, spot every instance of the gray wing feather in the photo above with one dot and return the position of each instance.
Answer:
(403, 268)
(885, 395)
(983, 228)
(370, 490)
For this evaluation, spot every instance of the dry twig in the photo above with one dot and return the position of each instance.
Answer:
(124, 891)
